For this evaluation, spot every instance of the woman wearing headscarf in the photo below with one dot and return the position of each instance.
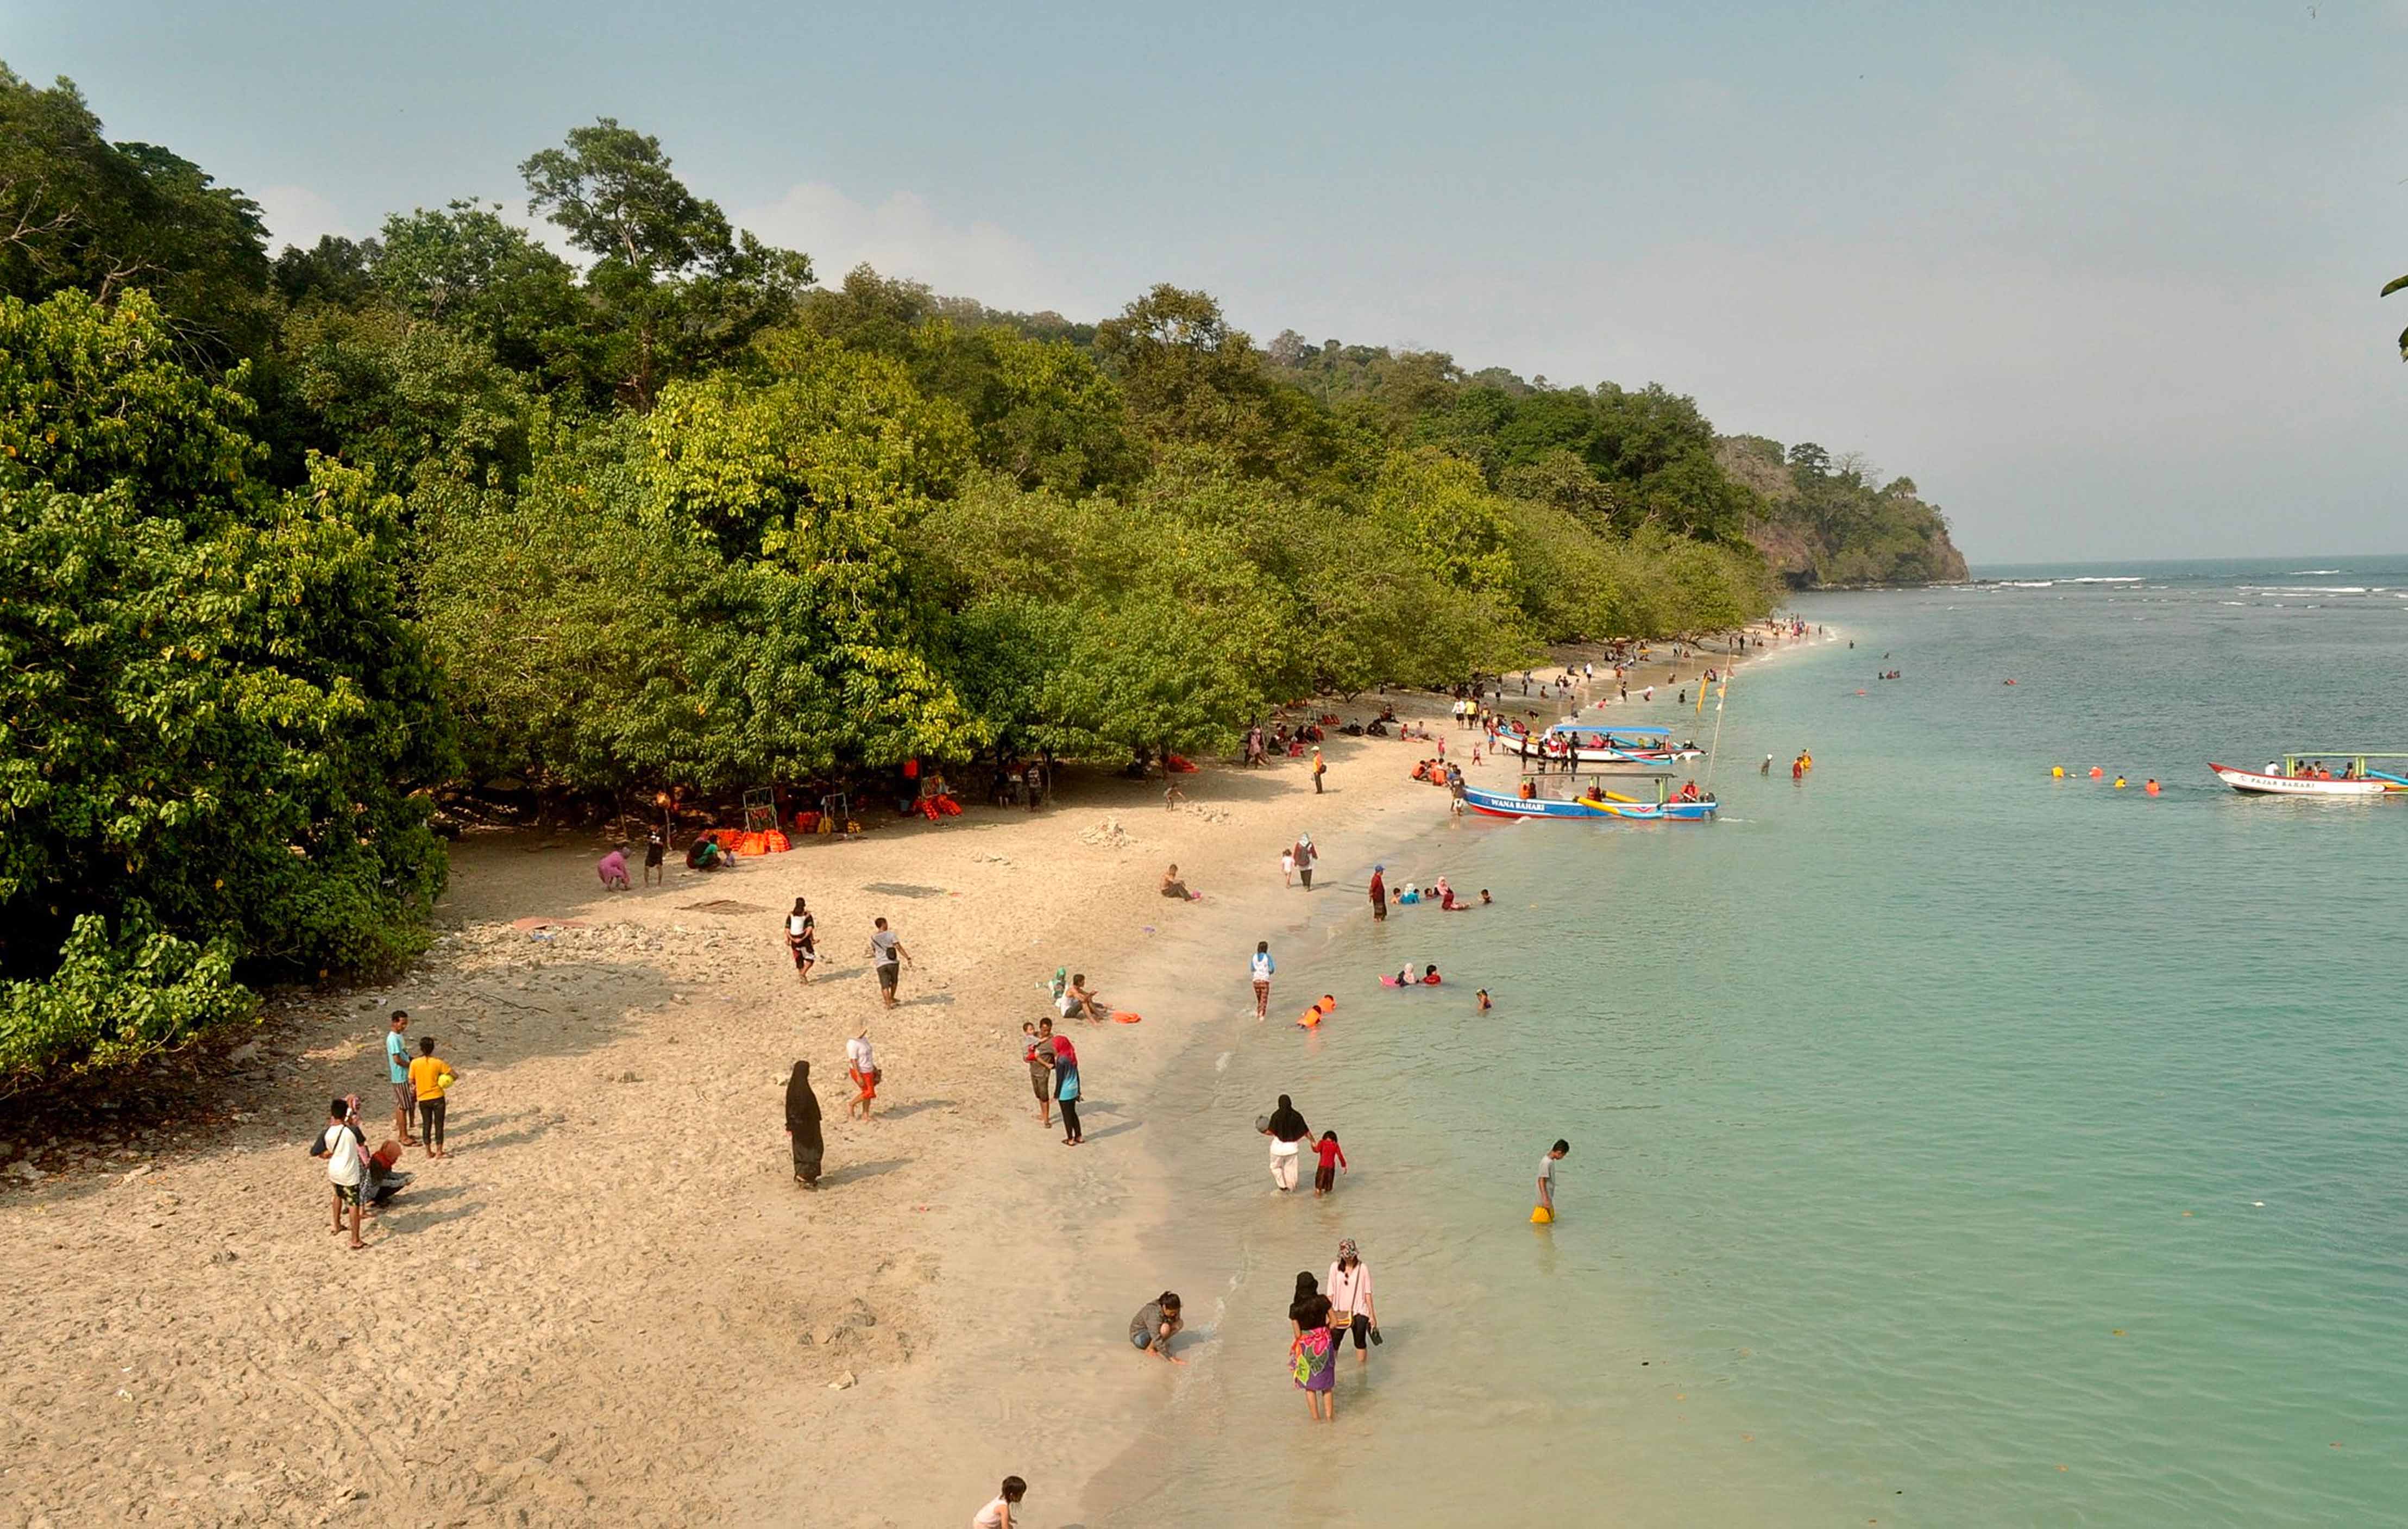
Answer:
(1350, 1300)
(803, 1125)
(1285, 1127)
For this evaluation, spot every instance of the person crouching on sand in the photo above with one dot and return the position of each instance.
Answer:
(998, 1514)
(1155, 1325)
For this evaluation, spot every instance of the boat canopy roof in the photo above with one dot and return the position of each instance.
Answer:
(2339, 753)
(1611, 729)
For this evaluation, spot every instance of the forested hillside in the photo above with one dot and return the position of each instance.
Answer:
(289, 544)
(1820, 521)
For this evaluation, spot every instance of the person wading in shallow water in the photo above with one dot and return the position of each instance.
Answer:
(1285, 1127)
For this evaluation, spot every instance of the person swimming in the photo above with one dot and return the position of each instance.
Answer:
(1429, 976)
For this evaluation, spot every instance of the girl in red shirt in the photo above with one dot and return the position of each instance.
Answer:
(1325, 1177)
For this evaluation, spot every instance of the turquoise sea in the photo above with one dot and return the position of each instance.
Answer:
(1951, 1145)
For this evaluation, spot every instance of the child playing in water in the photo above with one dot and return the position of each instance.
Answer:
(1333, 1162)
(1482, 996)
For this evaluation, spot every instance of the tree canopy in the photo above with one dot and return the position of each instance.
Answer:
(288, 546)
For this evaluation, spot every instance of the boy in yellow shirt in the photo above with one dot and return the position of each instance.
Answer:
(430, 1074)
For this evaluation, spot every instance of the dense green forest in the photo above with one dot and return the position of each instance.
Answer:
(1826, 521)
(289, 544)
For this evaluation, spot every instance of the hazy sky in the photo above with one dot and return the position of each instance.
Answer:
(2101, 278)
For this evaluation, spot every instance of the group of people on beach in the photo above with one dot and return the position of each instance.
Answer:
(888, 957)
(362, 1179)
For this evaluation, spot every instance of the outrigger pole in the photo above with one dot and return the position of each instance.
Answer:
(1714, 750)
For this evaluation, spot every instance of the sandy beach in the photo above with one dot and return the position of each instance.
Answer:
(612, 1303)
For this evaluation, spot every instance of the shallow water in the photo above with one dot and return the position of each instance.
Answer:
(1951, 1144)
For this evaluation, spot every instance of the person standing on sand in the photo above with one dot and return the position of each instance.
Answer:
(803, 1126)
(1380, 893)
(802, 939)
(1066, 1089)
(1320, 768)
(861, 1065)
(1285, 1127)
(998, 1514)
(886, 950)
(1287, 865)
(655, 850)
(1039, 1054)
(1259, 969)
(1305, 855)
(396, 1059)
(431, 1076)
(345, 1147)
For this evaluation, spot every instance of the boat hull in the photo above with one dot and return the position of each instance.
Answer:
(1529, 749)
(1497, 804)
(2254, 783)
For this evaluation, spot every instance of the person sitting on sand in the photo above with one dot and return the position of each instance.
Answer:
(1079, 1001)
(612, 869)
(705, 855)
(1155, 1324)
(1173, 886)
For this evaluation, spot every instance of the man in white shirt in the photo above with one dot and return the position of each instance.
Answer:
(1547, 1175)
(345, 1147)
(861, 1065)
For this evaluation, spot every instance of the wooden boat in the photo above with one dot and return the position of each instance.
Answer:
(1594, 803)
(1603, 743)
(2359, 780)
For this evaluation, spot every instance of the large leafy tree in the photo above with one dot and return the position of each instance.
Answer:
(463, 269)
(213, 718)
(679, 287)
(80, 213)
(1190, 379)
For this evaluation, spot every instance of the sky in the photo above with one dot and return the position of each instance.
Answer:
(2101, 278)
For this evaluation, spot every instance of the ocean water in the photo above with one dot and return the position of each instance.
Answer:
(1951, 1145)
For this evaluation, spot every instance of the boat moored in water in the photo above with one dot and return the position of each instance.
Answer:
(1594, 803)
(1601, 744)
(2303, 775)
